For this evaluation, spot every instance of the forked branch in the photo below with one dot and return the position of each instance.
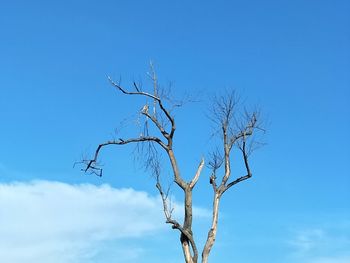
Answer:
(152, 96)
(234, 132)
(243, 149)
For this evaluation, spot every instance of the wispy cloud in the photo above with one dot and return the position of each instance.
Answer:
(308, 240)
(323, 244)
(45, 221)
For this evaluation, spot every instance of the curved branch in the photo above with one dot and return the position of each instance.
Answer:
(142, 93)
(90, 163)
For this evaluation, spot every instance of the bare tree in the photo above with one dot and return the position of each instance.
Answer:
(236, 129)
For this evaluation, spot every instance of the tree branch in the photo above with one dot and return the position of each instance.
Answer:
(154, 97)
(247, 130)
(156, 122)
(227, 150)
(90, 163)
(173, 222)
(196, 177)
(246, 163)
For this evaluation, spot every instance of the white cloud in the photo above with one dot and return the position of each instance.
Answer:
(324, 244)
(307, 240)
(55, 222)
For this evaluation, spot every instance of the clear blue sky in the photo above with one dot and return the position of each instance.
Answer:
(290, 57)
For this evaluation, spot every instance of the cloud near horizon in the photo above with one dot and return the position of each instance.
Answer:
(64, 223)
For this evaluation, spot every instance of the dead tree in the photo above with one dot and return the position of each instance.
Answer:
(236, 130)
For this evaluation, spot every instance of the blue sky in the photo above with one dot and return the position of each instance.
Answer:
(291, 58)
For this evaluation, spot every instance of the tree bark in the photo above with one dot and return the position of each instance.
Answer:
(187, 226)
(212, 231)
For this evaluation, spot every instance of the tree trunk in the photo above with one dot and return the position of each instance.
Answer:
(187, 226)
(212, 231)
(186, 249)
